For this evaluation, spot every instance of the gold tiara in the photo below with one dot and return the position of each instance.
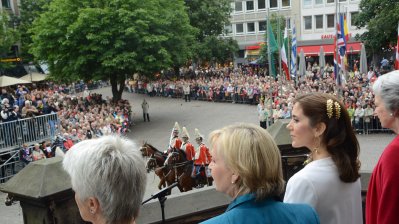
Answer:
(331, 105)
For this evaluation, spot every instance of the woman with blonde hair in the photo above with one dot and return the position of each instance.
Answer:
(330, 182)
(246, 165)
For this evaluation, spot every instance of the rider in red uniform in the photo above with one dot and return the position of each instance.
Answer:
(202, 159)
(175, 141)
(187, 147)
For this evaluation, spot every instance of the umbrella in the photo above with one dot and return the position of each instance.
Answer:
(322, 59)
(363, 61)
(34, 77)
(9, 81)
(302, 65)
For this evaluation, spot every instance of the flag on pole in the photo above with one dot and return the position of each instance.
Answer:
(293, 52)
(337, 63)
(397, 53)
(283, 52)
(341, 41)
(273, 48)
(345, 29)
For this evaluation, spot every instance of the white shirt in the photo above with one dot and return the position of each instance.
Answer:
(318, 185)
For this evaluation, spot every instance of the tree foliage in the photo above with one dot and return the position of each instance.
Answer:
(381, 18)
(210, 17)
(30, 10)
(111, 39)
(8, 37)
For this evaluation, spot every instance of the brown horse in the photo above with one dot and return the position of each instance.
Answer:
(156, 162)
(184, 171)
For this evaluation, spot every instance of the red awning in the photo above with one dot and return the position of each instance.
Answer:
(314, 50)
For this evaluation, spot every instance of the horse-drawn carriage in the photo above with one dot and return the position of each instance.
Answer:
(174, 167)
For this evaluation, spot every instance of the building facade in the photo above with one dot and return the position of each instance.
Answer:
(314, 20)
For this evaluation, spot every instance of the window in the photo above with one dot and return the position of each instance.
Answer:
(342, 0)
(330, 20)
(330, 1)
(353, 17)
(250, 27)
(288, 22)
(308, 22)
(307, 2)
(261, 4)
(238, 7)
(319, 2)
(319, 21)
(262, 26)
(5, 3)
(273, 3)
(285, 3)
(239, 28)
(250, 5)
(228, 29)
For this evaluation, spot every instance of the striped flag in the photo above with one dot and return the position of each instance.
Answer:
(293, 52)
(337, 64)
(283, 52)
(397, 53)
(341, 40)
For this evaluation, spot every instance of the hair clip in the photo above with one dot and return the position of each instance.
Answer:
(337, 110)
(330, 108)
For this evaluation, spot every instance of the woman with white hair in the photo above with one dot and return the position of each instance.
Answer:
(246, 165)
(109, 178)
(382, 202)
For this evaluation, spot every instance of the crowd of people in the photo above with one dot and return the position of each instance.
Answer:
(83, 115)
(274, 96)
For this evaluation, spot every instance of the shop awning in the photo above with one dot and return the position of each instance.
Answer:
(314, 50)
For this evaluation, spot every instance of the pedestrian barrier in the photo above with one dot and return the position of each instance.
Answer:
(30, 130)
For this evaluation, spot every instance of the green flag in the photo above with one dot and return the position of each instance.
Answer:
(273, 61)
(273, 44)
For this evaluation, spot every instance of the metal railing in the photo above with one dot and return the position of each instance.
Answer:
(30, 130)
(15, 133)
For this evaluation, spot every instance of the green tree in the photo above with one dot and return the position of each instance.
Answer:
(210, 18)
(30, 10)
(8, 37)
(95, 39)
(381, 18)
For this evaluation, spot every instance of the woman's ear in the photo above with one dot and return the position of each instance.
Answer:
(320, 128)
(234, 178)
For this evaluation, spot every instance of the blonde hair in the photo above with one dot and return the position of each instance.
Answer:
(250, 152)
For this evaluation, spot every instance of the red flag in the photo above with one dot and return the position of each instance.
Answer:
(397, 53)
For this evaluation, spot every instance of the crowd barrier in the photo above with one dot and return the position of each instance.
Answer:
(15, 133)
(30, 130)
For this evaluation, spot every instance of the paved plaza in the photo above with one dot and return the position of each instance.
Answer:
(206, 116)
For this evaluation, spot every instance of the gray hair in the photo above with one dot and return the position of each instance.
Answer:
(387, 87)
(112, 170)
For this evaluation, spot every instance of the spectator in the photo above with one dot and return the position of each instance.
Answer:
(37, 153)
(382, 204)
(145, 108)
(330, 181)
(25, 154)
(95, 169)
(246, 165)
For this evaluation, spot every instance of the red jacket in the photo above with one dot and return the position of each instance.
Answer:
(202, 156)
(382, 201)
(189, 150)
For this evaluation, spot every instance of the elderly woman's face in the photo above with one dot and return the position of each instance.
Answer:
(383, 114)
(222, 175)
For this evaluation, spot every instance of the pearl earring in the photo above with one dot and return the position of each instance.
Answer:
(91, 211)
(391, 114)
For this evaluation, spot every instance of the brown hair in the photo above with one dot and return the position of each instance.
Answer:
(338, 137)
